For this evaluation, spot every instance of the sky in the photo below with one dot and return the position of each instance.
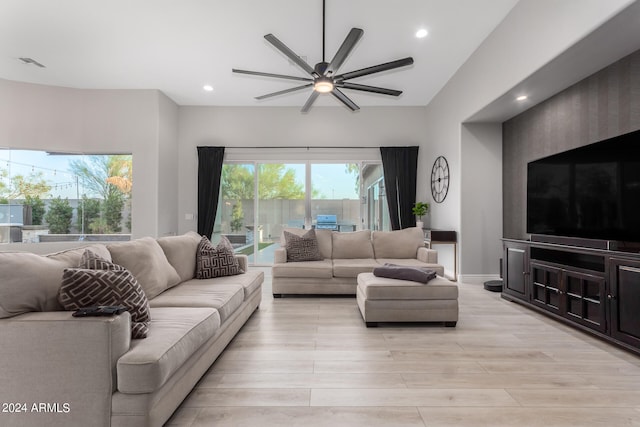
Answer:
(54, 169)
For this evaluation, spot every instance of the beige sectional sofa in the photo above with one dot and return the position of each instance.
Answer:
(345, 256)
(59, 370)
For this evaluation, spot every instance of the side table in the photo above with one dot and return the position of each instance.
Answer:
(444, 237)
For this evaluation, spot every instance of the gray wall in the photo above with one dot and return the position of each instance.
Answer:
(602, 106)
(141, 122)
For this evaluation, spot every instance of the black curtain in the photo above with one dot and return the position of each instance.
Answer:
(400, 166)
(209, 173)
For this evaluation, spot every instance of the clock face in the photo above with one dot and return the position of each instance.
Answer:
(440, 179)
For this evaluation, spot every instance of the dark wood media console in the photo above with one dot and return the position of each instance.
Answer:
(594, 289)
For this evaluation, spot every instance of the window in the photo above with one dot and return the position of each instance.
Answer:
(46, 196)
(298, 194)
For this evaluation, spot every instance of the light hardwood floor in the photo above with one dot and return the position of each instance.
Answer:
(312, 362)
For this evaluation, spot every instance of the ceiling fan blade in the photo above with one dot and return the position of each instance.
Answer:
(282, 92)
(344, 99)
(289, 53)
(375, 69)
(366, 88)
(347, 46)
(278, 76)
(310, 101)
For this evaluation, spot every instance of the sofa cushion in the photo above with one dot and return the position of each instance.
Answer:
(88, 287)
(353, 267)
(251, 281)
(175, 334)
(72, 257)
(323, 236)
(203, 293)
(302, 248)
(29, 282)
(145, 259)
(181, 253)
(397, 243)
(218, 261)
(311, 269)
(352, 245)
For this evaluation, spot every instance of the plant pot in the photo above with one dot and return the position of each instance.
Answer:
(419, 224)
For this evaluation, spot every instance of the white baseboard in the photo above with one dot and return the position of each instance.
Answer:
(477, 279)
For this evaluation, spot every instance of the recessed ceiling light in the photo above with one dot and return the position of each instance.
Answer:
(208, 88)
(422, 33)
(521, 98)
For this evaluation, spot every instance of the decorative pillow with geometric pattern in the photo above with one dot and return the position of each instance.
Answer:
(216, 261)
(100, 282)
(93, 261)
(302, 248)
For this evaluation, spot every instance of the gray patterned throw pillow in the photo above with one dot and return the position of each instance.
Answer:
(302, 248)
(83, 287)
(216, 261)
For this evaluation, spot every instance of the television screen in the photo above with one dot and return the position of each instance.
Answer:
(589, 192)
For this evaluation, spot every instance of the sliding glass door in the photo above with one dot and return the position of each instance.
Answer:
(258, 200)
(335, 196)
(281, 203)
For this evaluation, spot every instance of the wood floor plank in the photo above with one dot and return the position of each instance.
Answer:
(529, 417)
(311, 361)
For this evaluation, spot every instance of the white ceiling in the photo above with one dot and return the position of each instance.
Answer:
(179, 46)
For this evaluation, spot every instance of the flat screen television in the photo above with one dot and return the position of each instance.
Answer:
(590, 192)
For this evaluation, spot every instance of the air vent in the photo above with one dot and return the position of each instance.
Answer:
(29, 61)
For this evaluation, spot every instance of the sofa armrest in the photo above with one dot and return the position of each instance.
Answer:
(243, 261)
(67, 363)
(280, 256)
(427, 255)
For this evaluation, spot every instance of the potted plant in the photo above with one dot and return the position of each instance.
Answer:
(420, 209)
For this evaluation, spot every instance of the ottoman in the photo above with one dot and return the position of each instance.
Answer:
(391, 300)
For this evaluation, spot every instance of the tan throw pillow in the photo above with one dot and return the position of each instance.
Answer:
(181, 253)
(216, 261)
(71, 257)
(398, 243)
(85, 288)
(302, 248)
(145, 259)
(29, 282)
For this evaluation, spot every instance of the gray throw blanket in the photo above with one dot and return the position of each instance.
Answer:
(402, 272)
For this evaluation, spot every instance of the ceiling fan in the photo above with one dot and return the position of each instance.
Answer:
(323, 76)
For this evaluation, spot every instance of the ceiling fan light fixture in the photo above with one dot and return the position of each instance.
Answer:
(323, 85)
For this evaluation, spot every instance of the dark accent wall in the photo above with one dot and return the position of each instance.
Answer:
(604, 105)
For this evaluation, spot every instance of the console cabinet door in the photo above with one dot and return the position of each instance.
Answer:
(584, 299)
(625, 301)
(546, 285)
(515, 272)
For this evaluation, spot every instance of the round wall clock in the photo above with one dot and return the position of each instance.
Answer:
(440, 179)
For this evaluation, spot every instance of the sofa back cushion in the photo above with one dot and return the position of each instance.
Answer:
(398, 243)
(352, 245)
(29, 282)
(181, 253)
(72, 257)
(323, 236)
(147, 262)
